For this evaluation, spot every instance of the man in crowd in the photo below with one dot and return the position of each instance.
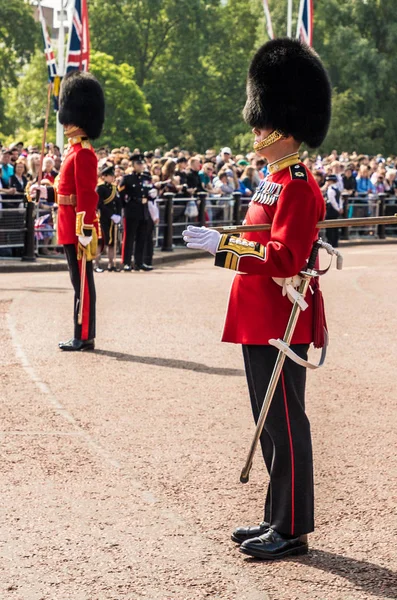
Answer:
(134, 190)
(193, 178)
(7, 170)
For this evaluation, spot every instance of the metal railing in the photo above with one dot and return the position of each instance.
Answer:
(28, 229)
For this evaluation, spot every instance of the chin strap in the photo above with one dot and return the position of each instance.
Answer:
(274, 136)
(285, 349)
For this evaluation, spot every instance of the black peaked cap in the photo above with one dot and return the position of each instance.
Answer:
(82, 103)
(289, 89)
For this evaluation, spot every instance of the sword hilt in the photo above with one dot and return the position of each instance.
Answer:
(313, 256)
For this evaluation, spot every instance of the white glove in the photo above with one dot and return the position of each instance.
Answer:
(202, 238)
(43, 191)
(85, 240)
(116, 219)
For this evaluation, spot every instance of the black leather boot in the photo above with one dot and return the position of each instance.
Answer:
(77, 345)
(241, 534)
(272, 546)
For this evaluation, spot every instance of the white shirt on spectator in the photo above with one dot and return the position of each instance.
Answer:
(332, 198)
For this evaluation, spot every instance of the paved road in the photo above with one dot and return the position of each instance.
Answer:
(120, 469)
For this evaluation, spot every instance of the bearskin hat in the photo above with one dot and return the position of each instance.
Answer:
(288, 89)
(82, 103)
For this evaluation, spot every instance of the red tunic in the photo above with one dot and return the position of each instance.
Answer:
(257, 309)
(78, 176)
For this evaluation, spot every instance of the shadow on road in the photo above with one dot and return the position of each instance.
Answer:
(373, 579)
(378, 581)
(171, 363)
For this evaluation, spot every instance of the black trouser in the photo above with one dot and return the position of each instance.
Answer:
(134, 231)
(286, 440)
(148, 260)
(332, 233)
(85, 331)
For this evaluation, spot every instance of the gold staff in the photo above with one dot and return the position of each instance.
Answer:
(331, 224)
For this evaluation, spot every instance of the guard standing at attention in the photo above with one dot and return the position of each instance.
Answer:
(134, 190)
(288, 103)
(109, 206)
(81, 112)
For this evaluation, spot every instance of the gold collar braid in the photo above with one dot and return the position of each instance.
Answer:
(284, 162)
(269, 140)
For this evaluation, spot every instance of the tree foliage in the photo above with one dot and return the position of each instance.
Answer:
(127, 116)
(175, 70)
(19, 35)
(191, 59)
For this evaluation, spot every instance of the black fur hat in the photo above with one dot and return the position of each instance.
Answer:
(288, 89)
(82, 103)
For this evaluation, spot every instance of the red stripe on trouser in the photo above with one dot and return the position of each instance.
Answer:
(85, 325)
(123, 242)
(292, 456)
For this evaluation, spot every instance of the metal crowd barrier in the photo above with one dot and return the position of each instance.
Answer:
(27, 230)
(12, 225)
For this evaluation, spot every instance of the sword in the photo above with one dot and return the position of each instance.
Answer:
(283, 346)
(331, 224)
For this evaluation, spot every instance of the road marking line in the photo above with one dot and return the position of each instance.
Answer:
(55, 433)
(56, 405)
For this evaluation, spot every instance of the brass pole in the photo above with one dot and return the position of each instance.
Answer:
(332, 223)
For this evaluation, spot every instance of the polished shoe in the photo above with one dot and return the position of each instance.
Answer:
(143, 267)
(127, 268)
(272, 546)
(241, 534)
(111, 269)
(77, 345)
(98, 270)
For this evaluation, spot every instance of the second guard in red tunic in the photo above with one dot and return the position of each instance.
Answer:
(288, 102)
(82, 114)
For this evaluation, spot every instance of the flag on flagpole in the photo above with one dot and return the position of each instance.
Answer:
(78, 56)
(48, 51)
(269, 26)
(304, 30)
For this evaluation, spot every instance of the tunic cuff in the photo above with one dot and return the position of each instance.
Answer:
(231, 249)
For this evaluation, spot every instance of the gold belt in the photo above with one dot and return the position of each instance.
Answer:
(67, 200)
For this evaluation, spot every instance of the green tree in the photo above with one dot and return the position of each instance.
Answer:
(127, 118)
(26, 103)
(19, 35)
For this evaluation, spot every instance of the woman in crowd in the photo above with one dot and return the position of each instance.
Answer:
(391, 182)
(168, 181)
(19, 179)
(33, 167)
(248, 178)
(48, 169)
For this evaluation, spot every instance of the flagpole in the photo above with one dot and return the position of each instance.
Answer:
(289, 19)
(300, 17)
(61, 66)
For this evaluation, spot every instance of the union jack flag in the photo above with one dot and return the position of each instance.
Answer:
(48, 51)
(78, 56)
(305, 22)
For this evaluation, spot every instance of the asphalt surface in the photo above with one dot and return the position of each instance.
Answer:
(120, 468)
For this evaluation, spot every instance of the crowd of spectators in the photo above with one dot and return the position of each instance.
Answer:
(218, 173)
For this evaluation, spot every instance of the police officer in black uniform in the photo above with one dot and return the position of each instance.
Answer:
(109, 206)
(134, 191)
